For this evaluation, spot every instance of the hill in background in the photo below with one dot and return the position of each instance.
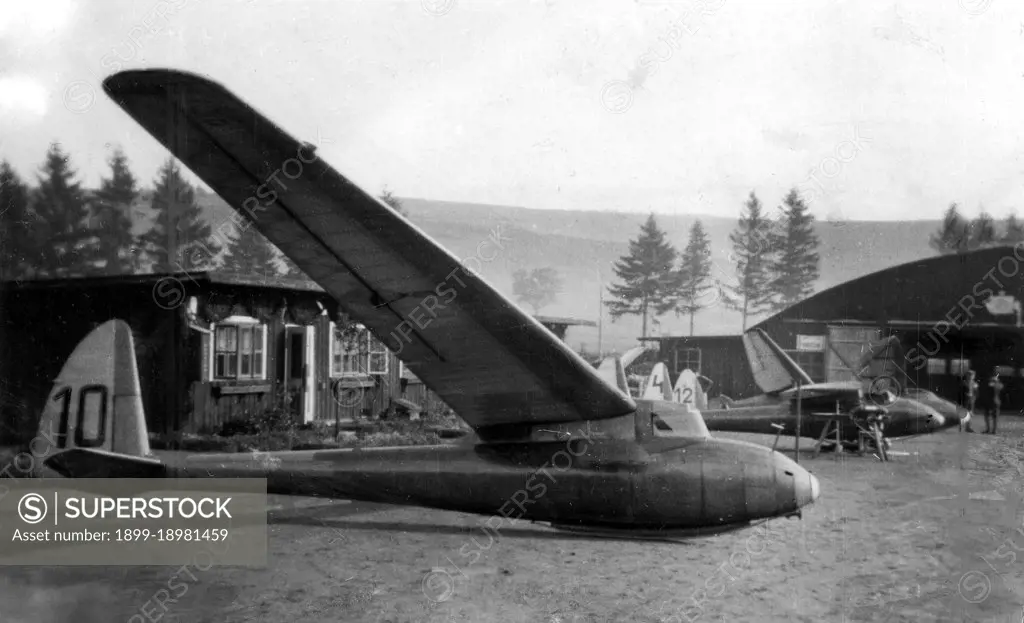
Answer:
(583, 246)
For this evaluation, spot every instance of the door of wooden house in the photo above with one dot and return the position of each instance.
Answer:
(299, 371)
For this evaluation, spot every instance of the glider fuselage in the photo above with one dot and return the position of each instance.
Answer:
(757, 414)
(662, 484)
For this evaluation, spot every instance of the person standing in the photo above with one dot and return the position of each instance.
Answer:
(991, 396)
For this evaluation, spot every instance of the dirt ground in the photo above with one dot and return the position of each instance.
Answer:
(930, 536)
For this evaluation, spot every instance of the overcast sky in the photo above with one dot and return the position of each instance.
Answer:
(876, 110)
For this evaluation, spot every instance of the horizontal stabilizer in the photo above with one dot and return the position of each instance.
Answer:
(681, 419)
(89, 463)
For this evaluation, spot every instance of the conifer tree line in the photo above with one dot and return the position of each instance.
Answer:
(56, 228)
(773, 259)
(958, 234)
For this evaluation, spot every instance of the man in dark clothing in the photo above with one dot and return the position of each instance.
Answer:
(990, 399)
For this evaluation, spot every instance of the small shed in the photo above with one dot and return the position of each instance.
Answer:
(559, 325)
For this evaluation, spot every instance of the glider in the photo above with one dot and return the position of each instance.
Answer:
(555, 440)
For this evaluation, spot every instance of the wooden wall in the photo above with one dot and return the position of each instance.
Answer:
(210, 407)
(40, 325)
(723, 360)
(335, 404)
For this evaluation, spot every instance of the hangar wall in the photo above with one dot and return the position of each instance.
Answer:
(947, 314)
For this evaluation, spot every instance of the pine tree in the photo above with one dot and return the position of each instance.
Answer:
(752, 250)
(393, 201)
(249, 253)
(1014, 230)
(794, 268)
(112, 217)
(64, 244)
(649, 279)
(15, 225)
(982, 231)
(694, 273)
(953, 234)
(179, 239)
(537, 288)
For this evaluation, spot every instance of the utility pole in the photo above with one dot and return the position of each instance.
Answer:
(799, 422)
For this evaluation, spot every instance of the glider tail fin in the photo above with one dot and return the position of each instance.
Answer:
(688, 391)
(658, 386)
(702, 397)
(96, 400)
(773, 369)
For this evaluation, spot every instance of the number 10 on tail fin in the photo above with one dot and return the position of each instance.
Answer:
(96, 401)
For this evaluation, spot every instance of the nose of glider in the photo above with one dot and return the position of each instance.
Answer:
(806, 489)
(797, 486)
(933, 420)
(913, 417)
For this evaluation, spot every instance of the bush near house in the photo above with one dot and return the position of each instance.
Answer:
(321, 437)
(274, 429)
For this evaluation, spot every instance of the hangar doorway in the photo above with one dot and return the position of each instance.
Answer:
(941, 366)
(919, 358)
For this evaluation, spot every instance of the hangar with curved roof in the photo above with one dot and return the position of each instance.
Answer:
(925, 323)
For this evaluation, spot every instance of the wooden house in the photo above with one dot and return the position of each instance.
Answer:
(211, 348)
